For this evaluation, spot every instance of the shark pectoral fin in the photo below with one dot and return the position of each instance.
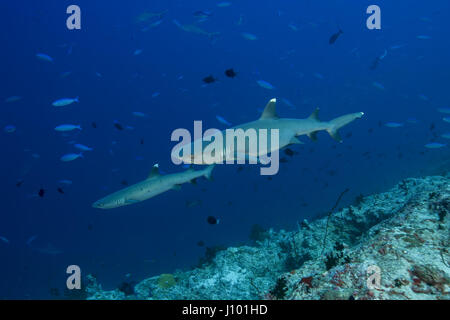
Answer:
(313, 136)
(176, 187)
(295, 140)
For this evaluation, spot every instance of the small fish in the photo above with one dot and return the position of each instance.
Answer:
(423, 97)
(117, 125)
(44, 57)
(224, 4)
(203, 14)
(139, 114)
(446, 119)
(201, 243)
(64, 102)
(65, 74)
(41, 193)
(230, 73)
(288, 103)
(249, 36)
(223, 121)
(335, 36)
(289, 152)
(19, 183)
(155, 94)
(13, 99)
(67, 127)
(423, 37)
(264, 84)
(212, 220)
(445, 135)
(378, 85)
(293, 27)
(393, 124)
(60, 190)
(209, 79)
(94, 125)
(31, 239)
(137, 52)
(444, 110)
(71, 156)
(65, 181)
(82, 147)
(9, 129)
(434, 145)
(318, 76)
(4, 240)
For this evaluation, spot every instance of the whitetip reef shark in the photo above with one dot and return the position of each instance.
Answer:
(288, 131)
(154, 185)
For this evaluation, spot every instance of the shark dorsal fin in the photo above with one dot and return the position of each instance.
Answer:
(270, 111)
(154, 172)
(314, 115)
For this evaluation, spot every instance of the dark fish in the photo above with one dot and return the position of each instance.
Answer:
(19, 183)
(209, 79)
(90, 227)
(118, 126)
(201, 243)
(370, 130)
(60, 190)
(212, 220)
(124, 182)
(283, 160)
(142, 141)
(289, 152)
(432, 126)
(240, 168)
(335, 36)
(230, 73)
(94, 125)
(375, 63)
(41, 193)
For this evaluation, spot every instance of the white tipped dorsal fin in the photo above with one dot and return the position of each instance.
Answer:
(314, 115)
(154, 172)
(270, 111)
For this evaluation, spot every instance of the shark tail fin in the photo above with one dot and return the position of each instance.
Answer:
(208, 172)
(339, 122)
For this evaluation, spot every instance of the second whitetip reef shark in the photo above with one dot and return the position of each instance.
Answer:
(289, 130)
(152, 186)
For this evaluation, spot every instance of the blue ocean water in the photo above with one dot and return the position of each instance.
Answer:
(42, 235)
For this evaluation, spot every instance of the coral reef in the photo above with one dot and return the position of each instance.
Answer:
(401, 235)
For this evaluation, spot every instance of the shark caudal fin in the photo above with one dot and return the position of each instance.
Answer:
(341, 121)
(208, 171)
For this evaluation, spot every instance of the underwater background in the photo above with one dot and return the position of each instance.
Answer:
(124, 61)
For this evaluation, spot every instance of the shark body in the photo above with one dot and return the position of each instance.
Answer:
(154, 185)
(288, 131)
